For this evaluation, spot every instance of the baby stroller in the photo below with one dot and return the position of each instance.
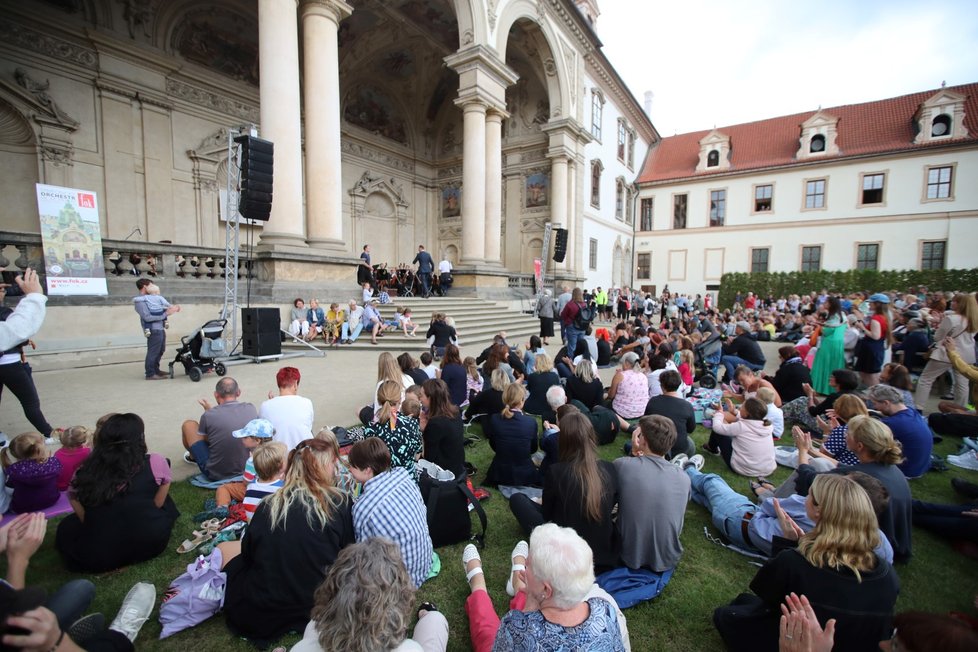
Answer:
(198, 351)
(707, 362)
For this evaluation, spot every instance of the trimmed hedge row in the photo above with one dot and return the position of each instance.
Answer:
(787, 283)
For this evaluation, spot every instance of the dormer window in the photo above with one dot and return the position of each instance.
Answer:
(941, 126)
(940, 117)
(714, 152)
(818, 135)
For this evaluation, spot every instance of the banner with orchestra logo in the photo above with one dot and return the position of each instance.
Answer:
(72, 241)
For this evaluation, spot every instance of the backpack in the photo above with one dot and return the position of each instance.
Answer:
(448, 503)
(583, 317)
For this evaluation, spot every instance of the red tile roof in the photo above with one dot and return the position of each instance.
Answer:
(870, 128)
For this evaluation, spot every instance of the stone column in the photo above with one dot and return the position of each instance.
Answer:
(558, 202)
(494, 185)
(473, 181)
(324, 194)
(278, 53)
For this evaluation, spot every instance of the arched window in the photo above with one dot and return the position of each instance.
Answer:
(713, 158)
(817, 144)
(941, 126)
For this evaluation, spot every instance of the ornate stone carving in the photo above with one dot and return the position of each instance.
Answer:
(532, 224)
(56, 155)
(467, 38)
(213, 101)
(39, 90)
(386, 192)
(549, 67)
(449, 232)
(377, 156)
(17, 35)
(492, 13)
(449, 172)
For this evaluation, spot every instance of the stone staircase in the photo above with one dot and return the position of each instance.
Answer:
(476, 321)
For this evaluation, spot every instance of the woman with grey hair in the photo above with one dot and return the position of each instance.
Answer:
(365, 604)
(556, 603)
(545, 311)
(629, 391)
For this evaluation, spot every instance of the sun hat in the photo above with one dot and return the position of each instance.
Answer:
(257, 428)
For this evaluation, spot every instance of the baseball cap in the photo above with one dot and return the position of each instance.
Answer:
(879, 297)
(258, 428)
(744, 326)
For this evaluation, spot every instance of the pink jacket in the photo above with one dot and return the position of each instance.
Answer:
(753, 445)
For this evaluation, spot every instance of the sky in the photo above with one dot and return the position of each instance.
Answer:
(724, 62)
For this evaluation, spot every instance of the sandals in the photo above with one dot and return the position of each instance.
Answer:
(200, 537)
(468, 554)
(760, 486)
(520, 550)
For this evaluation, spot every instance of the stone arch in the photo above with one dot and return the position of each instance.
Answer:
(451, 254)
(21, 169)
(530, 252)
(558, 85)
(470, 23)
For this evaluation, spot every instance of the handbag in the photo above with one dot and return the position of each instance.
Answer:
(194, 596)
(448, 502)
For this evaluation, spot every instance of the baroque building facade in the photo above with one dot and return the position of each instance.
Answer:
(463, 125)
(882, 185)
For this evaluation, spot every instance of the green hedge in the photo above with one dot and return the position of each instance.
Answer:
(787, 283)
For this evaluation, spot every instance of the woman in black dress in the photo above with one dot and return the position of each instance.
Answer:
(123, 513)
(442, 428)
(292, 540)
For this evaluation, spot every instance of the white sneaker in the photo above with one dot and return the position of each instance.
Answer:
(135, 610)
(188, 458)
(680, 460)
(696, 461)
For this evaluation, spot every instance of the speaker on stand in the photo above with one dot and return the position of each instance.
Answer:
(560, 245)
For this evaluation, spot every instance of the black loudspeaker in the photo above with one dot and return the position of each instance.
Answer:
(261, 321)
(257, 157)
(560, 245)
(259, 344)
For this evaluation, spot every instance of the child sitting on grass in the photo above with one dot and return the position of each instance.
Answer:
(255, 433)
(269, 460)
(31, 472)
(774, 413)
(72, 453)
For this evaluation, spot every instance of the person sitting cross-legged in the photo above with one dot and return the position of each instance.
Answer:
(209, 443)
(390, 506)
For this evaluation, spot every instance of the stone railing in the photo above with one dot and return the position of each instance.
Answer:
(521, 281)
(123, 258)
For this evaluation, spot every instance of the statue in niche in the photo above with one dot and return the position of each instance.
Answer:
(40, 92)
(137, 13)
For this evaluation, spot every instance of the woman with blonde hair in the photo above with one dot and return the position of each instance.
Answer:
(387, 369)
(401, 432)
(960, 324)
(878, 455)
(490, 400)
(537, 383)
(365, 604)
(270, 587)
(584, 385)
(835, 565)
(513, 436)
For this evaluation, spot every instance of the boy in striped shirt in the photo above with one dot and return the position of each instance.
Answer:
(269, 463)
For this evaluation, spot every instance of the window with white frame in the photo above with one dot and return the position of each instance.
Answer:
(596, 184)
(622, 135)
(679, 205)
(939, 182)
(873, 186)
(718, 207)
(647, 205)
(815, 193)
(811, 258)
(932, 254)
(868, 256)
(759, 260)
(593, 253)
(597, 108)
(620, 199)
(763, 198)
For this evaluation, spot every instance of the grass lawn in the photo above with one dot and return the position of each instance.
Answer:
(937, 580)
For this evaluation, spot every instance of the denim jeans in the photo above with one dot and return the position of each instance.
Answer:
(573, 334)
(731, 362)
(727, 507)
(347, 335)
(71, 601)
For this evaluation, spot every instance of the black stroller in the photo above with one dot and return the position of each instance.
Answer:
(707, 362)
(199, 350)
